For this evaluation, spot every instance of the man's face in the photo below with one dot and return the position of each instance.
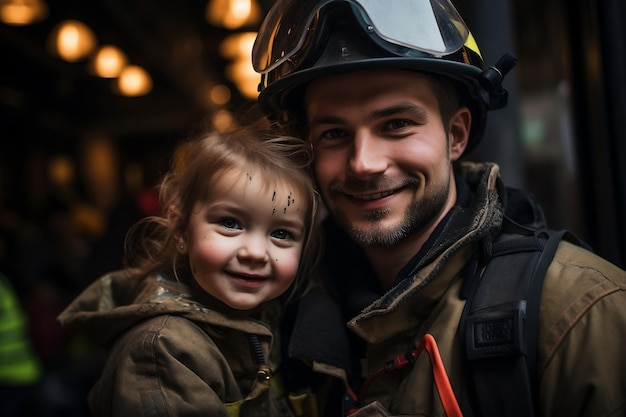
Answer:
(383, 159)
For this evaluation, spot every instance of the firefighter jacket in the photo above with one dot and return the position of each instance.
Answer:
(582, 323)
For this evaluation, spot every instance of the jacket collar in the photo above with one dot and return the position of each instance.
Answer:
(117, 301)
(471, 223)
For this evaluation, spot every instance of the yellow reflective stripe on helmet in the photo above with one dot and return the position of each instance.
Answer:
(471, 44)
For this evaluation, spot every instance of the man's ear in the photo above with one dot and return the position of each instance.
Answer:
(458, 133)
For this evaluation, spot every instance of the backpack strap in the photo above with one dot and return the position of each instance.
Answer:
(499, 324)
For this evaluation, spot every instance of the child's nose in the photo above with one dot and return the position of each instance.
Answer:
(254, 249)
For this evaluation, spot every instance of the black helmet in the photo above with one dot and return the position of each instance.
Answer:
(301, 40)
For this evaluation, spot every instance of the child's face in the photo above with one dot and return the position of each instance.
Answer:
(245, 241)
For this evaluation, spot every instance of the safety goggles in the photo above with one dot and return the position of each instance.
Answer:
(430, 26)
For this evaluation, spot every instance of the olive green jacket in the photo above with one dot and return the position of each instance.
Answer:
(171, 355)
(582, 324)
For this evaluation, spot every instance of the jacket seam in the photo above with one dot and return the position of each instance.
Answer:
(150, 343)
(576, 318)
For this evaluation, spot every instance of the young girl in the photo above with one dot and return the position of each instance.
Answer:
(191, 322)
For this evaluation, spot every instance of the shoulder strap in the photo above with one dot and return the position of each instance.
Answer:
(499, 324)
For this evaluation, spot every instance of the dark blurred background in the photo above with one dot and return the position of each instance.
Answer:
(80, 153)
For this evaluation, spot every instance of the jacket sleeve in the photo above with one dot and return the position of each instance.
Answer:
(166, 366)
(583, 367)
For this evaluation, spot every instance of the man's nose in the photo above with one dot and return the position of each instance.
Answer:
(367, 154)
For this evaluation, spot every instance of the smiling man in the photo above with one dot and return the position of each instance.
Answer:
(379, 152)
(391, 96)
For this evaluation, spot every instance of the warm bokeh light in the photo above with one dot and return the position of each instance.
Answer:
(72, 40)
(61, 170)
(244, 76)
(237, 48)
(108, 61)
(22, 12)
(220, 94)
(100, 169)
(233, 14)
(134, 81)
(223, 121)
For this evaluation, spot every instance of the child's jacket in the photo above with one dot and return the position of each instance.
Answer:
(170, 355)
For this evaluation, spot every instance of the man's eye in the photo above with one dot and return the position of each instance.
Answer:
(397, 124)
(229, 223)
(282, 234)
(333, 134)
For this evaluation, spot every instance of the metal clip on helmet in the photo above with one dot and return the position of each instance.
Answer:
(301, 40)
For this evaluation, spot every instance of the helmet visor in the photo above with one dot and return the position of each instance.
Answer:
(431, 26)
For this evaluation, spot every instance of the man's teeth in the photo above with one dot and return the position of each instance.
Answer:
(370, 197)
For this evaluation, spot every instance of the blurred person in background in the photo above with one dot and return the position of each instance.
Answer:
(20, 367)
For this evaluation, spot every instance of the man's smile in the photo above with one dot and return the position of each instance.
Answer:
(372, 196)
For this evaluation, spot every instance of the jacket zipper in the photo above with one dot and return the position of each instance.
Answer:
(263, 373)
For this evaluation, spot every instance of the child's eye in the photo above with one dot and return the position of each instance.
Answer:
(282, 234)
(229, 223)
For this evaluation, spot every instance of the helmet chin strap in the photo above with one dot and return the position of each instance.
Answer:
(491, 80)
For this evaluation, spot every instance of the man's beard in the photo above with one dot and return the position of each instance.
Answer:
(418, 216)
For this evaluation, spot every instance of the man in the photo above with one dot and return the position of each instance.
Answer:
(391, 95)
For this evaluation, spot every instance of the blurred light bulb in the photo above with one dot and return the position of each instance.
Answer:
(134, 81)
(108, 62)
(233, 14)
(73, 40)
(238, 48)
(220, 94)
(22, 12)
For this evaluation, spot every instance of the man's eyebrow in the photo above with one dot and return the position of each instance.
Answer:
(376, 114)
(321, 120)
(396, 109)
